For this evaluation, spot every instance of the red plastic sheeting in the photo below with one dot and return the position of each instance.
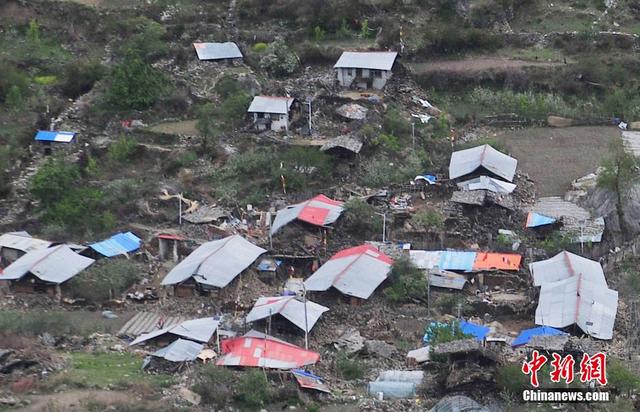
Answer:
(497, 261)
(314, 215)
(265, 352)
(359, 250)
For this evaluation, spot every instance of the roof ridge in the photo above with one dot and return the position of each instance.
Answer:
(228, 239)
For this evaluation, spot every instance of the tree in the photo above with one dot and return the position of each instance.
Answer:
(619, 174)
(14, 99)
(407, 282)
(53, 181)
(33, 33)
(135, 84)
(360, 219)
(206, 125)
(279, 59)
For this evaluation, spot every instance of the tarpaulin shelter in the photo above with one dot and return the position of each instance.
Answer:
(57, 137)
(118, 244)
(464, 162)
(487, 183)
(215, 263)
(318, 211)
(181, 350)
(496, 261)
(536, 220)
(290, 308)
(477, 331)
(264, 351)
(565, 265)
(356, 271)
(526, 334)
(308, 380)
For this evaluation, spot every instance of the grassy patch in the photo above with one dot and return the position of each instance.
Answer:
(101, 370)
(58, 323)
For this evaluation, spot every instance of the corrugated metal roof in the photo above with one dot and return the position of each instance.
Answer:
(23, 242)
(199, 330)
(216, 263)
(497, 261)
(466, 161)
(565, 265)
(577, 222)
(118, 244)
(631, 141)
(270, 104)
(536, 220)
(487, 183)
(457, 260)
(289, 307)
(447, 280)
(217, 51)
(356, 271)
(458, 403)
(525, 335)
(56, 265)
(180, 350)
(145, 322)
(577, 300)
(318, 211)
(265, 352)
(366, 60)
(58, 137)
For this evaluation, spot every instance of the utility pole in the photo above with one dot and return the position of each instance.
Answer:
(180, 209)
(306, 322)
(309, 103)
(413, 134)
(384, 225)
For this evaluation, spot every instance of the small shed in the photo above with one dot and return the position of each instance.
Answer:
(15, 244)
(217, 51)
(50, 138)
(364, 70)
(273, 112)
(168, 246)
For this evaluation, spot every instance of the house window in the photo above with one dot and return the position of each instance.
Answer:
(377, 73)
(349, 72)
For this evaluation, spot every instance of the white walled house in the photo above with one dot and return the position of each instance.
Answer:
(364, 70)
(272, 112)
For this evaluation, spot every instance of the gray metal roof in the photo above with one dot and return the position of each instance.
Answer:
(487, 183)
(345, 142)
(145, 322)
(216, 263)
(199, 330)
(367, 60)
(466, 161)
(270, 104)
(56, 265)
(565, 265)
(180, 351)
(588, 304)
(577, 222)
(217, 51)
(22, 241)
(458, 403)
(289, 307)
(310, 211)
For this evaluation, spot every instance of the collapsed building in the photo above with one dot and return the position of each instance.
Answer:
(16, 244)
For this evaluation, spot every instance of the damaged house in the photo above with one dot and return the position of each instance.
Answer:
(45, 270)
(356, 272)
(318, 211)
(15, 244)
(364, 70)
(574, 291)
(49, 139)
(302, 314)
(196, 330)
(212, 265)
(273, 112)
(576, 223)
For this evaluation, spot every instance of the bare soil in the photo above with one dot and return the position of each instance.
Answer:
(554, 157)
(74, 400)
(468, 65)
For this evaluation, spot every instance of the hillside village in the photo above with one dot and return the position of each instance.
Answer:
(372, 205)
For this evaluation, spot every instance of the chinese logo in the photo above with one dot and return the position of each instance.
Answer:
(592, 367)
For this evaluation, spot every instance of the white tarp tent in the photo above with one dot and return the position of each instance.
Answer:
(289, 307)
(467, 161)
(565, 265)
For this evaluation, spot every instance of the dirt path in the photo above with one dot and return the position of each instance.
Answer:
(477, 64)
(74, 400)
(554, 157)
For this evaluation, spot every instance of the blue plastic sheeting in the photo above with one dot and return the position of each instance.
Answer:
(536, 219)
(454, 260)
(478, 331)
(118, 244)
(269, 265)
(392, 389)
(431, 179)
(525, 336)
(50, 136)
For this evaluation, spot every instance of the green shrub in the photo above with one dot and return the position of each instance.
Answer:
(348, 368)
(279, 59)
(14, 99)
(407, 282)
(45, 80)
(207, 125)
(360, 219)
(232, 111)
(302, 166)
(149, 41)
(445, 332)
(227, 86)
(104, 280)
(393, 123)
(622, 379)
(381, 171)
(510, 379)
(319, 34)
(254, 390)
(453, 39)
(79, 77)
(57, 323)
(428, 219)
(123, 149)
(259, 47)
(11, 78)
(181, 160)
(555, 242)
(215, 385)
(135, 85)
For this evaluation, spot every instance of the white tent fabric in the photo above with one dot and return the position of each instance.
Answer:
(565, 265)
(289, 307)
(180, 350)
(216, 263)
(466, 161)
(487, 183)
(199, 330)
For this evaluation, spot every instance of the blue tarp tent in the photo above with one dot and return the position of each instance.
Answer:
(478, 331)
(525, 335)
(51, 136)
(456, 260)
(118, 244)
(536, 219)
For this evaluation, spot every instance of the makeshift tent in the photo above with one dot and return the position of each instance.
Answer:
(308, 380)
(264, 351)
(467, 161)
(496, 261)
(589, 304)
(54, 265)
(318, 211)
(289, 307)
(198, 330)
(180, 350)
(487, 183)
(57, 137)
(118, 244)
(525, 335)
(356, 271)
(536, 220)
(216, 263)
(477, 331)
(565, 265)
